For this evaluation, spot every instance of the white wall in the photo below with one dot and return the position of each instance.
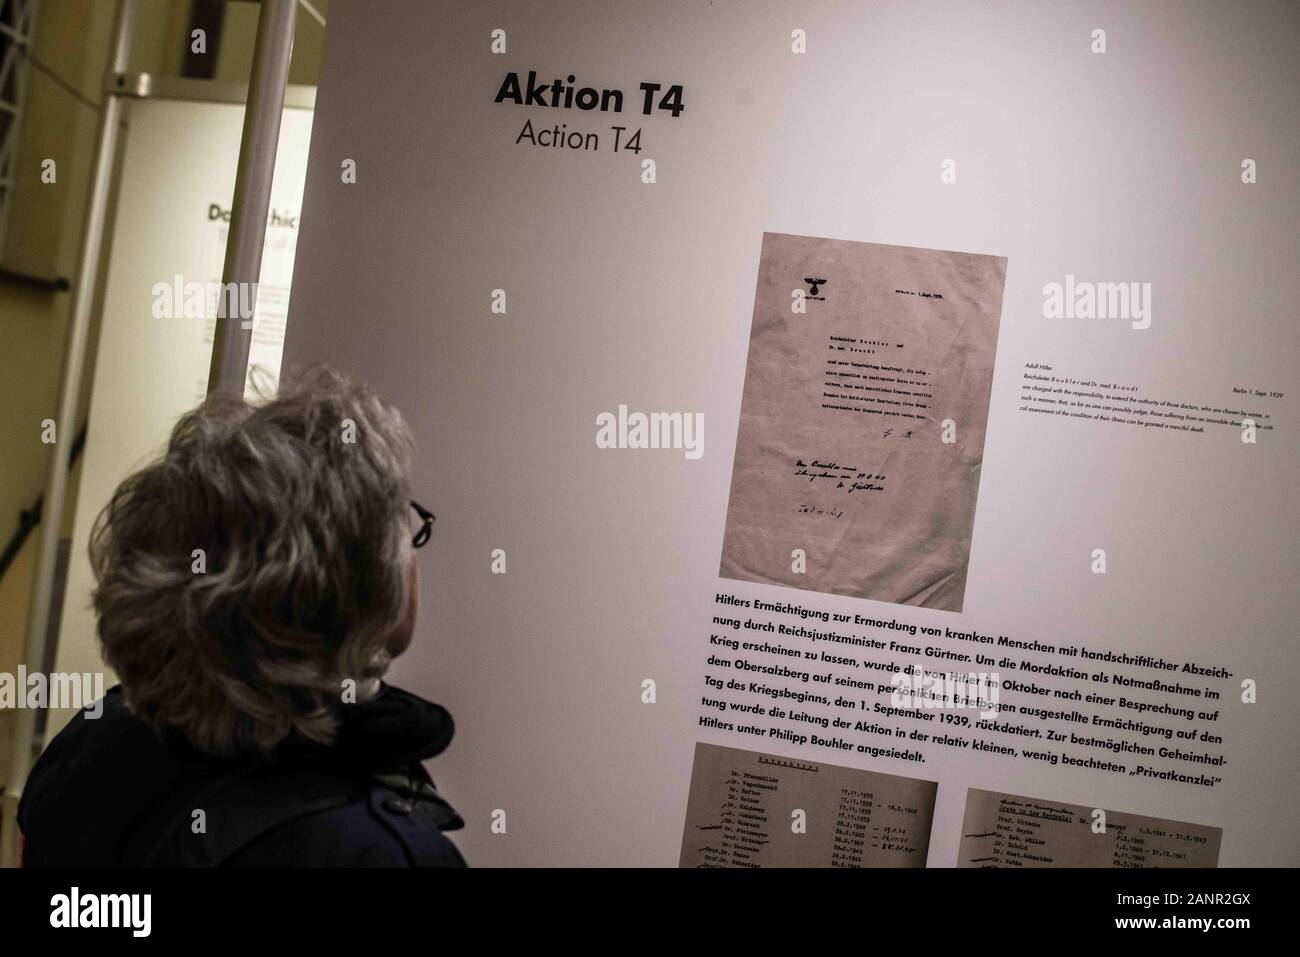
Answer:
(1120, 166)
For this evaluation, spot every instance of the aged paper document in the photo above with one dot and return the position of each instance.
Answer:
(742, 806)
(862, 424)
(1006, 830)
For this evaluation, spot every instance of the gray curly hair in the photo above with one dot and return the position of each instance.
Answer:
(300, 505)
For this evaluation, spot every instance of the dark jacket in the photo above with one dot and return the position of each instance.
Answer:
(109, 791)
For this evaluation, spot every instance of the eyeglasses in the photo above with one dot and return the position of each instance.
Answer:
(426, 525)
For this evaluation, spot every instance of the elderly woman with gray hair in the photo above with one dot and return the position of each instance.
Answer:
(253, 586)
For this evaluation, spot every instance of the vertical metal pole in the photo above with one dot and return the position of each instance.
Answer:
(252, 201)
(74, 353)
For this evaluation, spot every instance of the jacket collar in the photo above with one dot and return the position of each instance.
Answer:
(392, 730)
